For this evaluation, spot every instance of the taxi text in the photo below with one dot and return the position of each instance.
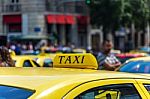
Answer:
(71, 59)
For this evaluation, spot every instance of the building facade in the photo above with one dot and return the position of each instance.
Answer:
(61, 21)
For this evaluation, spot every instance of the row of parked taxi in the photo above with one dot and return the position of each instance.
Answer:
(41, 60)
(132, 62)
(70, 76)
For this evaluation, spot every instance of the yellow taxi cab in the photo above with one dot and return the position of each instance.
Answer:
(25, 61)
(63, 82)
(136, 65)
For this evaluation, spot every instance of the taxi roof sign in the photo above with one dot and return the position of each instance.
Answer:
(86, 61)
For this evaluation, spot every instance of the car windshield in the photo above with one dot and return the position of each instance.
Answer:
(136, 67)
(7, 92)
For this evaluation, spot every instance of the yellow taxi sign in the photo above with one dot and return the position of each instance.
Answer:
(87, 61)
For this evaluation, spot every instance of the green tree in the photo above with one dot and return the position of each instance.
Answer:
(111, 14)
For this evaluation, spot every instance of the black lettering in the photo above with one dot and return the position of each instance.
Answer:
(76, 59)
(61, 58)
(82, 59)
(68, 59)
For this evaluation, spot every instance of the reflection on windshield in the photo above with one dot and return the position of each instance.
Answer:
(7, 92)
(136, 67)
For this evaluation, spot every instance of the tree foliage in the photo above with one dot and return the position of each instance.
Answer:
(111, 14)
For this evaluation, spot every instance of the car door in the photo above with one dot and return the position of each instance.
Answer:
(107, 89)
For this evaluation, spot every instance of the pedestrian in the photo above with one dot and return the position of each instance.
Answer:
(107, 60)
(5, 58)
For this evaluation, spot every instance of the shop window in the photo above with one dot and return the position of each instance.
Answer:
(17, 1)
(14, 28)
(14, 1)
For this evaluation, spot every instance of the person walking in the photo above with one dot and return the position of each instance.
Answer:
(107, 60)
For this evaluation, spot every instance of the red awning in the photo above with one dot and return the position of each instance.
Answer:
(70, 19)
(60, 19)
(51, 19)
(7, 19)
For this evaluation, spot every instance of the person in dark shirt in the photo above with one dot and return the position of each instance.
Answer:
(106, 60)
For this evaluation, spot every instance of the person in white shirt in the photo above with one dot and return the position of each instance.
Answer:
(106, 60)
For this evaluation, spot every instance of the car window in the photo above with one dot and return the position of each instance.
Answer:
(7, 92)
(130, 67)
(27, 63)
(125, 91)
(136, 66)
(144, 67)
(47, 63)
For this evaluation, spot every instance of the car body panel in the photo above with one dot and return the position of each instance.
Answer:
(96, 83)
(62, 82)
(49, 82)
(141, 82)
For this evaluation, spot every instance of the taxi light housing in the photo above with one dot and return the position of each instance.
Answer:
(78, 61)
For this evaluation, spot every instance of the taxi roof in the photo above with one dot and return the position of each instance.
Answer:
(34, 77)
(60, 77)
(53, 80)
(67, 67)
